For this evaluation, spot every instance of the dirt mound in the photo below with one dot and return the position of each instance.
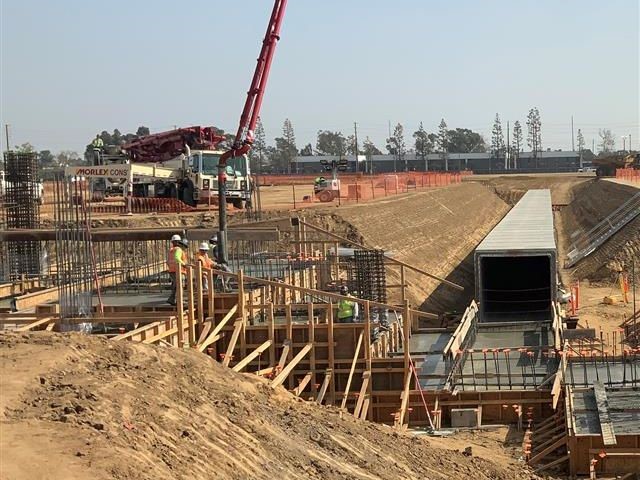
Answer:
(435, 230)
(76, 407)
(594, 201)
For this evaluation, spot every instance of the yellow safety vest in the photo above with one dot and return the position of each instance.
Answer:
(345, 309)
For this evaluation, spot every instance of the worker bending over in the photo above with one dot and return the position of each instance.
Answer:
(176, 258)
(347, 309)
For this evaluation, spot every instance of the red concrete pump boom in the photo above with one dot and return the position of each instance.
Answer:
(251, 112)
(249, 118)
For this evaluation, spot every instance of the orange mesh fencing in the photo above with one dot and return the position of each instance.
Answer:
(628, 174)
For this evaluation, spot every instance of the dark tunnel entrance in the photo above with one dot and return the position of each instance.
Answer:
(517, 288)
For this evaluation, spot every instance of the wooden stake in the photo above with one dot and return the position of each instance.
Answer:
(366, 376)
(291, 365)
(272, 335)
(325, 385)
(232, 343)
(199, 293)
(191, 309)
(249, 358)
(180, 307)
(303, 383)
(353, 368)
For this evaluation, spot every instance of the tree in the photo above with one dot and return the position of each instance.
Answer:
(46, 158)
(307, 151)
(516, 144)
(463, 140)
(25, 148)
(423, 145)
(369, 148)
(534, 137)
(396, 145)
(68, 157)
(331, 143)
(142, 132)
(443, 143)
(259, 147)
(607, 142)
(350, 143)
(497, 138)
(286, 147)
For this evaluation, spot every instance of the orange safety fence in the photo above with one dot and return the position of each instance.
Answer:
(628, 174)
(356, 188)
(346, 177)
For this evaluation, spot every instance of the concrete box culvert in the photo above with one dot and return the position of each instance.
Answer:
(516, 263)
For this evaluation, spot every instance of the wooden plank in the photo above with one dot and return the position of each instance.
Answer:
(199, 293)
(206, 328)
(555, 463)
(180, 307)
(562, 440)
(286, 349)
(137, 331)
(332, 350)
(272, 334)
(366, 377)
(249, 358)
(312, 360)
(302, 385)
(404, 401)
(365, 408)
(606, 425)
(325, 385)
(191, 308)
(237, 327)
(291, 365)
(353, 368)
(201, 347)
(35, 324)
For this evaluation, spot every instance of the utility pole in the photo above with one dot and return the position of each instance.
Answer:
(355, 136)
(573, 146)
(6, 135)
(593, 146)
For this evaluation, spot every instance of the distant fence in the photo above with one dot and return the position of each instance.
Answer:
(628, 174)
(296, 191)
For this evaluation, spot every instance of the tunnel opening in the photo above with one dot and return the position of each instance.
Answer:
(516, 288)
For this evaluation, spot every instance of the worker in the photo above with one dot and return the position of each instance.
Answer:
(347, 309)
(176, 258)
(205, 262)
(97, 143)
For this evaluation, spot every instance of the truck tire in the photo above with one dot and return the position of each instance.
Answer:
(325, 196)
(237, 203)
(187, 191)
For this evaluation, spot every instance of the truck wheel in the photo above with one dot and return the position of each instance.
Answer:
(325, 196)
(237, 203)
(187, 193)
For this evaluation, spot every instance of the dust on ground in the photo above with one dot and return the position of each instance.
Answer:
(76, 406)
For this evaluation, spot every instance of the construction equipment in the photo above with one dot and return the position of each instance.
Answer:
(185, 166)
(327, 190)
(249, 117)
(606, 165)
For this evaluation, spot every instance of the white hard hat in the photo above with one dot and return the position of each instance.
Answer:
(204, 246)
(175, 238)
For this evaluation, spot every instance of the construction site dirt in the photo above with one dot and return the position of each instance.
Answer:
(74, 404)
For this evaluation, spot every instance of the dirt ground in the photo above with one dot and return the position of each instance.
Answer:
(77, 407)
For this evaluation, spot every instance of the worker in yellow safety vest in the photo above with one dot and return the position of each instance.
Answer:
(176, 258)
(97, 143)
(347, 309)
(205, 262)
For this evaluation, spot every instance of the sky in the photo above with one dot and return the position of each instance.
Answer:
(72, 68)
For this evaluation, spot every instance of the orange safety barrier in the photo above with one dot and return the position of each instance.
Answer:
(628, 174)
(348, 177)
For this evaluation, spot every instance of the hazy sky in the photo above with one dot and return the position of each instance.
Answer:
(71, 68)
